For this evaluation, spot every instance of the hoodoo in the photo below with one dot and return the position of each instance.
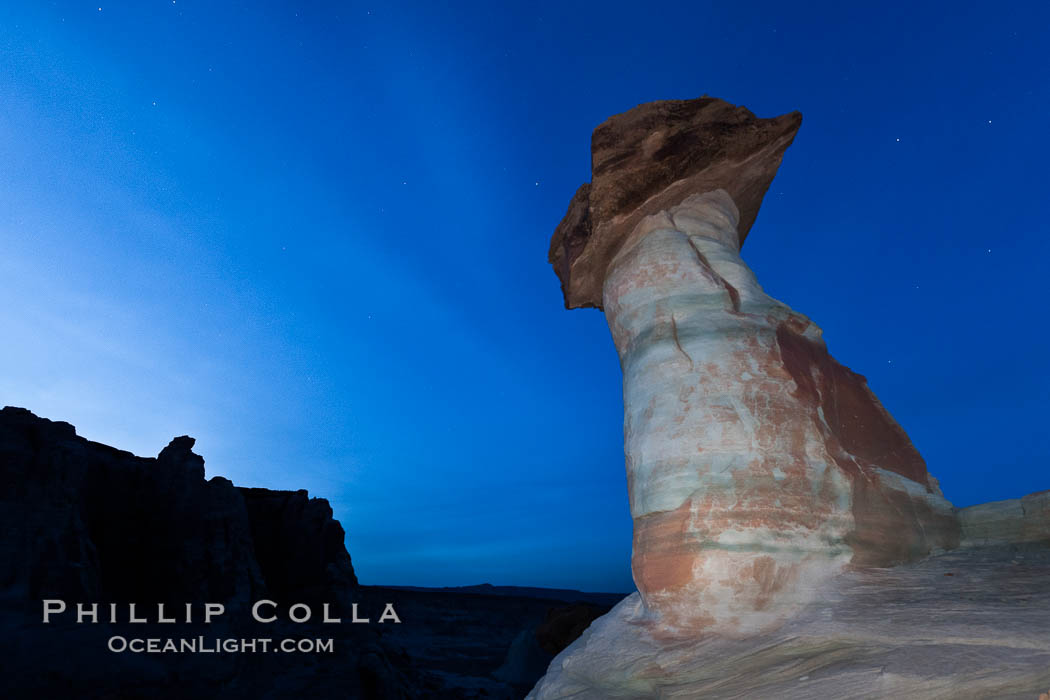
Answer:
(757, 465)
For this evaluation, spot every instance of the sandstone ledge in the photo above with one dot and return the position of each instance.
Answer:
(1016, 521)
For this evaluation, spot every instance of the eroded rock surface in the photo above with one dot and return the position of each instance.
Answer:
(971, 623)
(757, 465)
(770, 490)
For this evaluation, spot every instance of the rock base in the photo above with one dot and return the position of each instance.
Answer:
(971, 623)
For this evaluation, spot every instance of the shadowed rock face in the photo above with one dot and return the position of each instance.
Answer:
(298, 544)
(85, 521)
(565, 624)
(757, 465)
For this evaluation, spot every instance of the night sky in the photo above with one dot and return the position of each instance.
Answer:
(315, 238)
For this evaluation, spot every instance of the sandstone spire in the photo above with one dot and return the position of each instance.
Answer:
(757, 465)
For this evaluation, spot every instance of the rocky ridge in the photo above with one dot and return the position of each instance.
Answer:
(85, 522)
(82, 521)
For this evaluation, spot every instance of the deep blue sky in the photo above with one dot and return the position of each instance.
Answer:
(314, 237)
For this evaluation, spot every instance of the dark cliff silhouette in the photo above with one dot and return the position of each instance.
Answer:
(87, 523)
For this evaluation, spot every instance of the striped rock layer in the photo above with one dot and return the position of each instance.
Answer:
(757, 465)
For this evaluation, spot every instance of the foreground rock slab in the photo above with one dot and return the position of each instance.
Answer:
(972, 623)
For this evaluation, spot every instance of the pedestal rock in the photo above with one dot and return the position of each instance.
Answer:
(757, 465)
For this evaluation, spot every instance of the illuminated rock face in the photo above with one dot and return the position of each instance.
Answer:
(757, 465)
(768, 485)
